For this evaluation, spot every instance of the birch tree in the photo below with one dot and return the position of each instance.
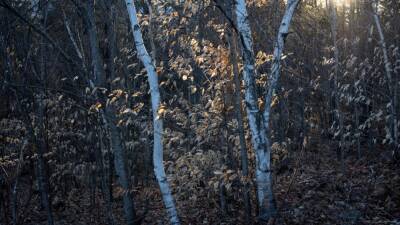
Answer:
(273, 82)
(259, 122)
(239, 117)
(157, 122)
(278, 51)
(265, 199)
(391, 82)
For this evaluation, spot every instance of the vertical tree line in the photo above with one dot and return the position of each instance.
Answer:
(245, 111)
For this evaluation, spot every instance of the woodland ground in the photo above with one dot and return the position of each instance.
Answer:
(315, 192)
(75, 90)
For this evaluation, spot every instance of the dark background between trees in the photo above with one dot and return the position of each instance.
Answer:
(57, 160)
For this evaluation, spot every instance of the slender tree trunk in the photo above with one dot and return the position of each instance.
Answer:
(113, 54)
(120, 167)
(275, 74)
(278, 51)
(266, 204)
(112, 51)
(148, 155)
(151, 32)
(239, 118)
(112, 39)
(103, 180)
(106, 187)
(97, 61)
(222, 199)
(112, 57)
(391, 83)
(339, 117)
(353, 27)
(71, 37)
(41, 145)
(157, 122)
(273, 82)
(14, 191)
(108, 116)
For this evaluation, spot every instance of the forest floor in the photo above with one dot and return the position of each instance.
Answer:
(313, 190)
(366, 192)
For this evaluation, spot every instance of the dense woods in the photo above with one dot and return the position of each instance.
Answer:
(199, 112)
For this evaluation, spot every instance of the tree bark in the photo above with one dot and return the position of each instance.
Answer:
(266, 203)
(108, 116)
(278, 50)
(239, 118)
(273, 82)
(391, 83)
(103, 180)
(40, 139)
(111, 40)
(151, 32)
(339, 118)
(97, 61)
(157, 122)
(14, 191)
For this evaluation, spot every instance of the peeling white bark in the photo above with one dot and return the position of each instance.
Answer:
(278, 50)
(157, 122)
(275, 74)
(259, 122)
(259, 139)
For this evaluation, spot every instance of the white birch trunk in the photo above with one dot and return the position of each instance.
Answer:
(391, 82)
(278, 50)
(275, 74)
(157, 122)
(263, 171)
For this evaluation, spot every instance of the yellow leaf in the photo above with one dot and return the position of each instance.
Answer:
(113, 100)
(136, 94)
(138, 107)
(98, 105)
(159, 70)
(199, 60)
(260, 103)
(161, 111)
(193, 89)
(214, 73)
(275, 100)
(128, 110)
(230, 171)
